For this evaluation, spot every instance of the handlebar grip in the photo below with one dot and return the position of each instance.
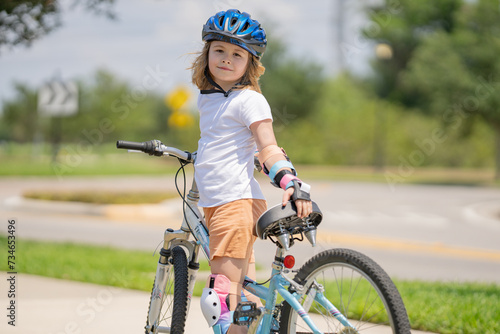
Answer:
(156, 148)
(131, 145)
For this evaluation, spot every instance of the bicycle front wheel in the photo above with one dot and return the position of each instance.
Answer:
(357, 286)
(173, 307)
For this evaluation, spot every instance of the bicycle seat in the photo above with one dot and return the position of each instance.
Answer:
(274, 220)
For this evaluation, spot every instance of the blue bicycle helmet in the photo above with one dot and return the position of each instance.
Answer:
(237, 28)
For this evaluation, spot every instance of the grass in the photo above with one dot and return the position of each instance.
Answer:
(452, 308)
(458, 308)
(129, 269)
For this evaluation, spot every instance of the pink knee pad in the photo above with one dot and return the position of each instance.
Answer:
(221, 284)
(214, 299)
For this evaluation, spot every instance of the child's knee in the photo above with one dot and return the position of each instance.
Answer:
(214, 301)
(214, 298)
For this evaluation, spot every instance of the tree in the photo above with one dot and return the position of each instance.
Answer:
(398, 27)
(402, 25)
(19, 117)
(291, 86)
(22, 22)
(456, 74)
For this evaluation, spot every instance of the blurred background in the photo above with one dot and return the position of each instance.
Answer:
(387, 85)
(390, 107)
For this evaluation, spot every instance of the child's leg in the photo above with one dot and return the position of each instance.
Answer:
(235, 270)
(232, 236)
(251, 273)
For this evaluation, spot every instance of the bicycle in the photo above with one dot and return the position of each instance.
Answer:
(367, 300)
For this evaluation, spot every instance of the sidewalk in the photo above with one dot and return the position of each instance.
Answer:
(54, 306)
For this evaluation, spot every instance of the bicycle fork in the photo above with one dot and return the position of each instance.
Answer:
(172, 239)
(162, 274)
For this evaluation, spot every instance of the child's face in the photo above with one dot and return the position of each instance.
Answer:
(227, 63)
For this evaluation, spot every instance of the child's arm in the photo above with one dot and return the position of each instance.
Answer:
(264, 137)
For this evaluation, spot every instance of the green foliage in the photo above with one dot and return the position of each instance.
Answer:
(444, 64)
(110, 109)
(455, 75)
(460, 69)
(291, 86)
(20, 117)
(403, 25)
(438, 82)
(353, 127)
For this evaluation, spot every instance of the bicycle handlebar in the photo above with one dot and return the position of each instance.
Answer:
(131, 145)
(155, 147)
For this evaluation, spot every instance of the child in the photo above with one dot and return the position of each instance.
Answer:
(235, 119)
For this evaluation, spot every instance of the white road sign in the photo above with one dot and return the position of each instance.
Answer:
(58, 98)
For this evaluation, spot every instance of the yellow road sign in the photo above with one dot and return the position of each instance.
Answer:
(177, 98)
(180, 119)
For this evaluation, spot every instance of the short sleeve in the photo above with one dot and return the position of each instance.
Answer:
(255, 108)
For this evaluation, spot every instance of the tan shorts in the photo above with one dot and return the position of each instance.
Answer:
(232, 228)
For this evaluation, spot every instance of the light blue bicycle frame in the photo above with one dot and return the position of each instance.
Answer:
(278, 284)
(193, 222)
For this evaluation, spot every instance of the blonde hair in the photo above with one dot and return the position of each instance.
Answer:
(251, 77)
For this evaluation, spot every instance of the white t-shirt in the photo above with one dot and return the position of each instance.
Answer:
(224, 165)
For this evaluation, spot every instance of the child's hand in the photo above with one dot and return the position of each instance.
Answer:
(304, 208)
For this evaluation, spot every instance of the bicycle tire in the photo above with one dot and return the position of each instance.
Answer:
(173, 309)
(344, 271)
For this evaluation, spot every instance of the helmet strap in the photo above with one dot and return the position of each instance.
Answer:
(218, 88)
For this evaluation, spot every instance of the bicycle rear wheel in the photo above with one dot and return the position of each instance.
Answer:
(173, 307)
(357, 286)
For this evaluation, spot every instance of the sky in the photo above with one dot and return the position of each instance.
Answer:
(161, 35)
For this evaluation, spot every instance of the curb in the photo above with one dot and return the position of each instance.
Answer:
(488, 212)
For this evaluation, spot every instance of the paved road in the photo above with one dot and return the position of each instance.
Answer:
(424, 232)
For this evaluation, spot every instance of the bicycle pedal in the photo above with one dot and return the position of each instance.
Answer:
(245, 313)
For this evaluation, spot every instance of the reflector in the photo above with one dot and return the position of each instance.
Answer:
(289, 261)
